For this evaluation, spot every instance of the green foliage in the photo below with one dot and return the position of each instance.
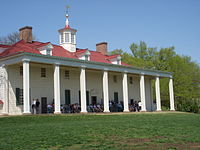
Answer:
(186, 73)
(188, 105)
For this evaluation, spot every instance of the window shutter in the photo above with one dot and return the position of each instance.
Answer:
(17, 96)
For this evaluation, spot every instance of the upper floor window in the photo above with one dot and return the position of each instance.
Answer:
(115, 78)
(66, 74)
(67, 37)
(43, 72)
(21, 70)
(73, 38)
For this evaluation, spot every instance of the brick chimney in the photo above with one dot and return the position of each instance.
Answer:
(102, 48)
(26, 34)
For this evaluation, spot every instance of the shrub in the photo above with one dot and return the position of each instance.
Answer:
(188, 105)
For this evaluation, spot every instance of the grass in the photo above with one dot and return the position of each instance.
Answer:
(127, 131)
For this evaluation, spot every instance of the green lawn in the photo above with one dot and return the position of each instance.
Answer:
(126, 131)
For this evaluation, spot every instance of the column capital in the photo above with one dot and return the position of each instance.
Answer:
(25, 60)
(56, 64)
(105, 69)
(3, 65)
(83, 67)
(142, 73)
(157, 75)
(125, 71)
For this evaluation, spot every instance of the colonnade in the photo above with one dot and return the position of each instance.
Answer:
(26, 92)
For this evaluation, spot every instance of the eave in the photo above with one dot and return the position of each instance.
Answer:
(20, 56)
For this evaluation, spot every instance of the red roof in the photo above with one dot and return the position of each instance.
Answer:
(4, 46)
(59, 51)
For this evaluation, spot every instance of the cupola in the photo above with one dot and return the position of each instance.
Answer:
(68, 36)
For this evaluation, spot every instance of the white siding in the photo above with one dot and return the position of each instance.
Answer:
(134, 89)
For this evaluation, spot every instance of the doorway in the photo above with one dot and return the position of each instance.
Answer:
(116, 97)
(44, 105)
(67, 97)
(94, 100)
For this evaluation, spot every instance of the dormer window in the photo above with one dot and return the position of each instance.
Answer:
(87, 57)
(115, 59)
(119, 60)
(84, 55)
(46, 50)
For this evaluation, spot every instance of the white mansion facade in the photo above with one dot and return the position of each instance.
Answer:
(66, 75)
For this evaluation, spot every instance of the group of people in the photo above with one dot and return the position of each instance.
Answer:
(35, 106)
(114, 106)
(135, 106)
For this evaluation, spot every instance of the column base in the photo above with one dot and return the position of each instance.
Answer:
(58, 112)
(143, 111)
(126, 111)
(159, 110)
(26, 113)
(106, 111)
(172, 110)
(83, 112)
(4, 114)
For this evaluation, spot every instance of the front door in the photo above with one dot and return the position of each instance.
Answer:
(44, 105)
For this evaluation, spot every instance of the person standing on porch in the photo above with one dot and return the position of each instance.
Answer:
(33, 106)
(37, 106)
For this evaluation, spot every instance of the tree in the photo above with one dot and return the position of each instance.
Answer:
(12, 38)
(186, 73)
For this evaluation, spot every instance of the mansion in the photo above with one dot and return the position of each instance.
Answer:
(64, 74)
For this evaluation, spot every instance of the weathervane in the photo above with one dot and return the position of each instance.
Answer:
(67, 17)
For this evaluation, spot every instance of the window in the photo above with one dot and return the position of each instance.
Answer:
(87, 57)
(62, 38)
(43, 72)
(19, 96)
(67, 37)
(131, 80)
(118, 62)
(66, 74)
(73, 38)
(48, 51)
(21, 70)
(115, 78)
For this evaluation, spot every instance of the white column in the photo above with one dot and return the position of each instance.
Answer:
(5, 89)
(83, 90)
(57, 89)
(125, 92)
(158, 101)
(142, 92)
(171, 94)
(26, 87)
(105, 91)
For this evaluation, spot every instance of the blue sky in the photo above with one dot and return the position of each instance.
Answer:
(160, 23)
